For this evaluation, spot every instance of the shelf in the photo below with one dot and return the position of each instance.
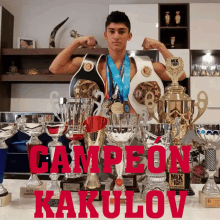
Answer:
(36, 78)
(183, 27)
(48, 51)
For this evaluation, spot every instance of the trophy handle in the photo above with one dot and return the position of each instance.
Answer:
(54, 102)
(150, 104)
(200, 110)
(99, 104)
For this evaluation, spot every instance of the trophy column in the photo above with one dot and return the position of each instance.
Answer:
(121, 132)
(7, 130)
(32, 125)
(176, 107)
(210, 194)
(94, 134)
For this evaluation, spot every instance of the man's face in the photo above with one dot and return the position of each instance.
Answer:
(117, 36)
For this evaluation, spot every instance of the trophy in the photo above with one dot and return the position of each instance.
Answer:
(94, 134)
(121, 132)
(167, 18)
(55, 129)
(210, 194)
(172, 41)
(32, 125)
(177, 18)
(176, 104)
(7, 129)
(156, 181)
(78, 110)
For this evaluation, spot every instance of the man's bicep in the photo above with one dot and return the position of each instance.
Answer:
(71, 67)
(160, 70)
(74, 65)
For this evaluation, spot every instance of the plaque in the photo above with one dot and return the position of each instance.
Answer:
(54, 201)
(28, 191)
(4, 200)
(209, 201)
(72, 184)
(177, 180)
(98, 197)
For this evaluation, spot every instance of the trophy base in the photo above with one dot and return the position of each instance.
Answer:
(73, 185)
(209, 201)
(112, 200)
(28, 192)
(180, 182)
(4, 200)
(54, 201)
(130, 183)
(98, 197)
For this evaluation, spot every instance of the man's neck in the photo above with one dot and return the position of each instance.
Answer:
(117, 56)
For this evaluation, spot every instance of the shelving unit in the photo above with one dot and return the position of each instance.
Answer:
(180, 31)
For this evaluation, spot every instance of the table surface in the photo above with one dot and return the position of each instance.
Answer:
(24, 208)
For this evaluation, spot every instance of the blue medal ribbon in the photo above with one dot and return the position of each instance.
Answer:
(123, 85)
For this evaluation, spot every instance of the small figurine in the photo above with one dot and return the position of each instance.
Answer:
(172, 40)
(167, 18)
(178, 18)
(13, 70)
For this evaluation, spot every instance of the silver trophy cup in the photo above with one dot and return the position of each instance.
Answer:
(121, 132)
(150, 132)
(78, 110)
(7, 129)
(210, 133)
(55, 129)
(32, 125)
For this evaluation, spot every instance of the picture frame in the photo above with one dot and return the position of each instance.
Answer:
(26, 43)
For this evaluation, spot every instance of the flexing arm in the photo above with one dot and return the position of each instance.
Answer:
(159, 68)
(63, 64)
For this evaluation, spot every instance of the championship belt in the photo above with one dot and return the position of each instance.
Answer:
(88, 75)
(144, 80)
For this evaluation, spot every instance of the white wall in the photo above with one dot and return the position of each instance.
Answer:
(37, 18)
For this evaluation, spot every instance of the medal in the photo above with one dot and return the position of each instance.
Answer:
(126, 107)
(117, 108)
(119, 81)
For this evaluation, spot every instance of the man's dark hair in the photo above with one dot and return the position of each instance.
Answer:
(118, 17)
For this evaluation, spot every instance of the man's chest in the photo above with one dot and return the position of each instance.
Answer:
(102, 70)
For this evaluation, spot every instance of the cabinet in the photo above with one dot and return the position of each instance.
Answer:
(174, 25)
(144, 22)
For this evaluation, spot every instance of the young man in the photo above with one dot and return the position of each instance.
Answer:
(117, 33)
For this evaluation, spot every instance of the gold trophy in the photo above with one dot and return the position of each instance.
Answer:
(94, 134)
(175, 106)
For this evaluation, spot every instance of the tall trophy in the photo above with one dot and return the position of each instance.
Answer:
(78, 109)
(7, 129)
(121, 132)
(32, 125)
(94, 134)
(210, 194)
(156, 181)
(175, 103)
(55, 129)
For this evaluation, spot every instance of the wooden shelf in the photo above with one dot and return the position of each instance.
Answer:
(47, 51)
(183, 27)
(36, 78)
